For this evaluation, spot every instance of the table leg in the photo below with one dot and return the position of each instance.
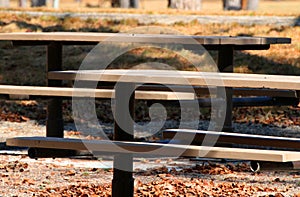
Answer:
(123, 181)
(54, 125)
(225, 64)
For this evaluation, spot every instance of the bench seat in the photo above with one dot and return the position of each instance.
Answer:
(233, 138)
(234, 80)
(202, 91)
(84, 92)
(144, 148)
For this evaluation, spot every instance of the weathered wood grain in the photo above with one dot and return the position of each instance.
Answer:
(143, 148)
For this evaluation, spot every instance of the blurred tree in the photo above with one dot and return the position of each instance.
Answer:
(125, 3)
(22, 3)
(244, 4)
(56, 4)
(231, 4)
(185, 4)
(134, 3)
(252, 4)
(38, 3)
(240, 4)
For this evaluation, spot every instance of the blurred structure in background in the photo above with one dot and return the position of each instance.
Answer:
(4, 3)
(240, 4)
(194, 5)
(38, 3)
(125, 3)
(176, 4)
(185, 4)
(22, 3)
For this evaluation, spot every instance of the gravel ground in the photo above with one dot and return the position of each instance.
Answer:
(21, 176)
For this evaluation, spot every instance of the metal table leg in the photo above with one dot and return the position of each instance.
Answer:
(123, 181)
(54, 126)
(225, 64)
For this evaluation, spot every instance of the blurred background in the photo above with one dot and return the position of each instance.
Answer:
(260, 6)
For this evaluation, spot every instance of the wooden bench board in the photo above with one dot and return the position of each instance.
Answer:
(97, 93)
(142, 148)
(142, 38)
(235, 80)
(233, 138)
(201, 91)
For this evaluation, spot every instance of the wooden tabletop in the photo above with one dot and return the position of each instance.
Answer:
(174, 77)
(142, 38)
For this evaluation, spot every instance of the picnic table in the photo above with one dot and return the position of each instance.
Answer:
(123, 146)
(225, 45)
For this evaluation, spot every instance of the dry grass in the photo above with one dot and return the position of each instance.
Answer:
(266, 7)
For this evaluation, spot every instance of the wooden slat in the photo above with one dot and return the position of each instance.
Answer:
(265, 92)
(141, 38)
(233, 138)
(142, 148)
(236, 102)
(53, 91)
(201, 91)
(235, 80)
(97, 93)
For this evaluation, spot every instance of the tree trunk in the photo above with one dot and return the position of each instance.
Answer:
(38, 3)
(125, 3)
(244, 4)
(240, 4)
(115, 3)
(185, 4)
(56, 4)
(252, 4)
(22, 3)
(134, 3)
(232, 4)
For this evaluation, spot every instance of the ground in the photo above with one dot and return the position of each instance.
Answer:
(175, 177)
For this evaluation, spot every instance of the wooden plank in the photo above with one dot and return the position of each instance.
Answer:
(265, 92)
(233, 138)
(237, 102)
(142, 148)
(141, 38)
(164, 95)
(235, 80)
(97, 93)
(202, 91)
(244, 40)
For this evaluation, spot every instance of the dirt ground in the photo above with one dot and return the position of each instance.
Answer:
(21, 176)
(88, 176)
